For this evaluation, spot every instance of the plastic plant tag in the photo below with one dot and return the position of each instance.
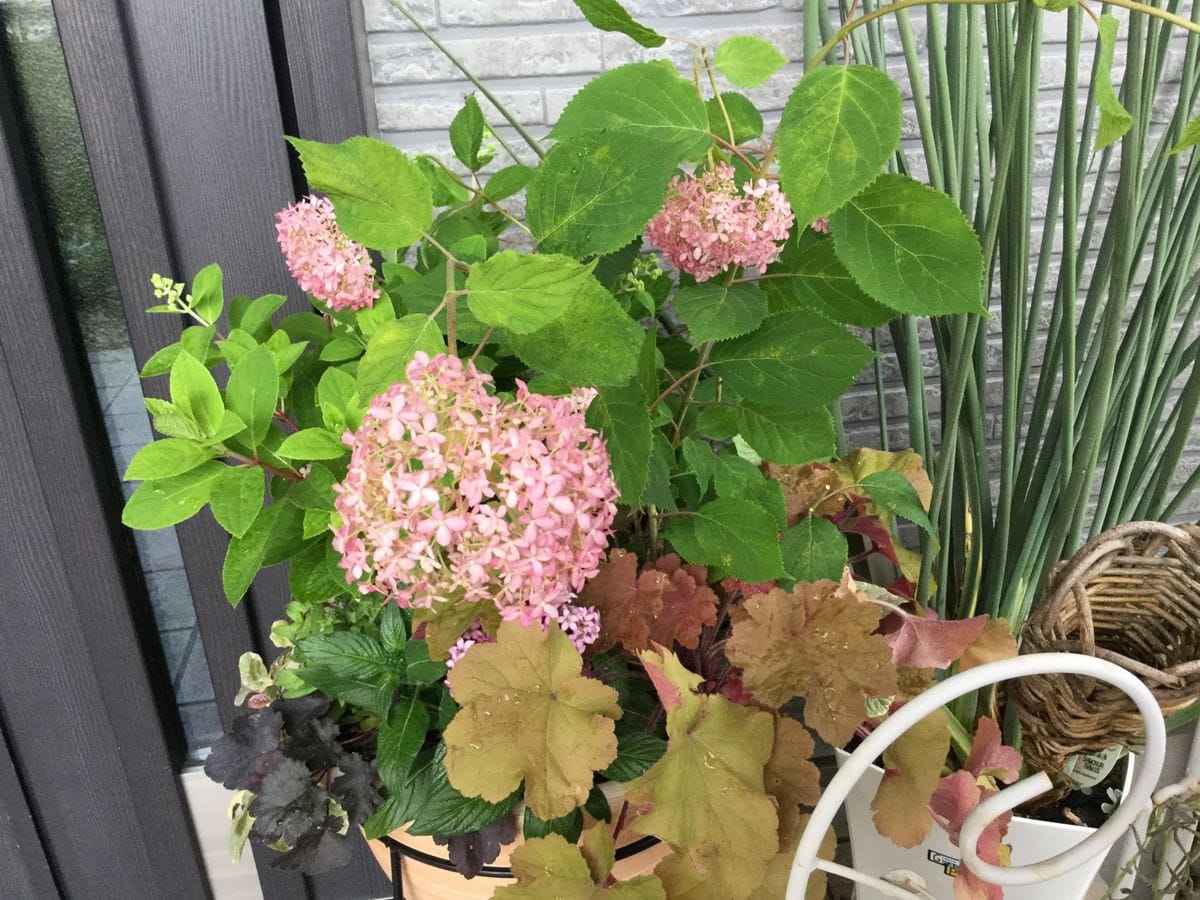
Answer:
(1090, 769)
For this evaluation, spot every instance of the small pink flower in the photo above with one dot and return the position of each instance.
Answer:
(322, 259)
(820, 225)
(706, 226)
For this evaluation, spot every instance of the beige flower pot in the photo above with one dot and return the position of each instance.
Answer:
(425, 880)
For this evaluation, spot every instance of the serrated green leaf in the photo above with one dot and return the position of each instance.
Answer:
(700, 460)
(161, 361)
(312, 443)
(443, 810)
(786, 435)
(508, 181)
(168, 501)
(237, 498)
(195, 393)
(741, 537)
(636, 752)
(797, 358)
(594, 344)
(381, 198)
(911, 248)
(419, 668)
(715, 311)
(1115, 120)
(820, 282)
(814, 550)
(165, 458)
(257, 316)
(253, 392)
(392, 348)
(681, 534)
(620, 413)
(740, 478)
(230, 425)
(244, 555)
(895, 493)
(747, 61)
(169, 421)
(338, 389)
(350, 666)
(744, 117)
(521, 292)
(609, 15)
(840, 126)
(341, 349)
(647, 100)
(208, 296)
(466, 133)
(569, 826)
(400, 739)
(594, 193)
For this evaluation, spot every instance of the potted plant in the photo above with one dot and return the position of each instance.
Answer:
(565, 530)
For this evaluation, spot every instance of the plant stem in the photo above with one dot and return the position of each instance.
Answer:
(500, 107)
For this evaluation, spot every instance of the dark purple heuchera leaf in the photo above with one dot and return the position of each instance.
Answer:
(356, 789)
(241, 759)
(300, 709)
(313, 741)
(318, 851)
(472, 851)
(289, 806)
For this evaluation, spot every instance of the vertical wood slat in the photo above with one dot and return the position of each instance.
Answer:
(24, 869)
(74, 687)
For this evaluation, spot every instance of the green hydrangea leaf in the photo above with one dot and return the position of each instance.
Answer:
(1189, 138)
(609, 15)
(741, 537)
(646, 99)
(527, 713)
(840, 126)
(707, 795)
(466, 133)
(744, 117)
(620, 413)
(312, 443)
(1115, 120)
(911, 248)
(392, 348)
(700, 461)
(508, 181)
(237, 498)
(168, 501)
(521, 292)
(380, 196)
(813, 549)
(788, 436)
(595, 193)
(895, 494)
(796, 358)
(820, 282)
(166, 458)
(747, 61)
(253, 392)
(715, 311)
(195, 394)
(208, 294)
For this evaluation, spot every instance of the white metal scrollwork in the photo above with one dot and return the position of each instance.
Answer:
(1132, 805)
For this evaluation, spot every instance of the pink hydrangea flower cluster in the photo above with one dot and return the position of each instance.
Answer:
(707, 226)
(579, 623)
(468, 639)
(322, 259)
(455, 494)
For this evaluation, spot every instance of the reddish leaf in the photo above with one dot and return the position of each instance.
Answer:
(956, 796)
(688, 603)
(989, 756)
(994, 643)
(626, 601)
(927, 642)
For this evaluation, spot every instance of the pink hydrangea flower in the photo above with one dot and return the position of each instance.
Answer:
(706, 226)
(322, 259)
(455, 494)
(820, 225)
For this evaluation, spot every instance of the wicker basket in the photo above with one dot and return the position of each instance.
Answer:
(1130, 596)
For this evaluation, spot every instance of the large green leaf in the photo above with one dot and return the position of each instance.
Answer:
(400, 738)
(636, 752)
(747, 60)
(609, 15)
(208, 294)
(245, 554)
(714, 311)
(312, 443)
(595, 193)
(620, 412)
(168, 501)
(195, 393)
(814, 550)
(381, 198)
(392, 348)
(595, 343)
(895, 493)
(237, 498)
(840, 126)
(741, 537)
(466, 133)
(351, 667)
(1114, 118)
(819, 281)
(787, 435)
(744, 117)
(797, 358)
(521, 292)
(647, 99)
(253, 391)
(166, 458)
(911, 248)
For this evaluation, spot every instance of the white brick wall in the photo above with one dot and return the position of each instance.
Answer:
(535, 54)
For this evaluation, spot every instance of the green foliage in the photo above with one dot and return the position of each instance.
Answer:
(787, 435)
(237, 498)
(1115, 120)
(392, 348)
(739, 536)
(714, 311)
(381, 198)
(195, 394)
(744, 117)
(821, 283)
(619, 412)
(911, 248)
(839, 127)
(351, 667)
(165, 458)
(813, 549)
(508, 181)
(747, 61)
(466, 134)
(895, 493)
(208, 296)
(522, 292)
(253, 392)
(312, 443)
(168, 501)
(609, 15)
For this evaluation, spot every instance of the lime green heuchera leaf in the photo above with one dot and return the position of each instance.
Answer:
(706, 796)
(549, 868)
(527, 713)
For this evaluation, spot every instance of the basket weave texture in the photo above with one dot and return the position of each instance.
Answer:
(1130, 596)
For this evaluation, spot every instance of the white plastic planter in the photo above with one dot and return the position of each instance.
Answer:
(935, 861)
